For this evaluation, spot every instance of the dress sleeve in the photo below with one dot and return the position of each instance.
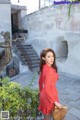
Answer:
(50, 87)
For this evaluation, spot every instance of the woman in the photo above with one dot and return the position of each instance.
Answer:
(47, 83)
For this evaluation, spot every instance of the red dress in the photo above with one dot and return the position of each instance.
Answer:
(48, 91)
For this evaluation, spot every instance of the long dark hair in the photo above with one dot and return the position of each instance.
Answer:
(43, 54)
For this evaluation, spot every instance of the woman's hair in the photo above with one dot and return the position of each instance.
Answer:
(43, 54)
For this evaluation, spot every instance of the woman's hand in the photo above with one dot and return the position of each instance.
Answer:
(58, 105)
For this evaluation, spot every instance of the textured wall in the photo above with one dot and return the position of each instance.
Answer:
(21, 14)
(51, 27)
(5, 17)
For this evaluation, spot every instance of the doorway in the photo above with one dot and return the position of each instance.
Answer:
(61, 50)
(14, 21)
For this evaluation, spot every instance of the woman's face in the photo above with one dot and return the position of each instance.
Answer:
(49, 58)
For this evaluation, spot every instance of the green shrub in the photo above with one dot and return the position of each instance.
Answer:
(17, 100)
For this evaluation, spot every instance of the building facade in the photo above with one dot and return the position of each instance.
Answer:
(54, 27)
(11, 16)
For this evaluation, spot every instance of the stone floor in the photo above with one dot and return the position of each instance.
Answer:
(68, 88)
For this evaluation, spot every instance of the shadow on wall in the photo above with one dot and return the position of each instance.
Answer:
(61, 49)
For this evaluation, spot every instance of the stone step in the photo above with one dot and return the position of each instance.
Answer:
(26, 50)
(34, 58)
(28, 55)
(35, 62)
(31, 62)
(28, 46)
(35, 65)
(29, 52)
(28, 59)
(31, 56)
(29, 49)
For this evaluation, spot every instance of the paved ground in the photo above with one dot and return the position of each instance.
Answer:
(68, 87)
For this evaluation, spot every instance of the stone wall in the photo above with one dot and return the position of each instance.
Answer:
(21, 14)
(52, 27)
(5, 17)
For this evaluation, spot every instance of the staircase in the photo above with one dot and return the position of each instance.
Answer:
(29, 56)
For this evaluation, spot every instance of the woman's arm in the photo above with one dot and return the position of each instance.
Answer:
(58, 105)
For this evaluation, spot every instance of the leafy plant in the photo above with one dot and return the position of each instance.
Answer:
(18, 101)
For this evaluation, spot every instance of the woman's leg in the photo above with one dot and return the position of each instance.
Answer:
(47, 117)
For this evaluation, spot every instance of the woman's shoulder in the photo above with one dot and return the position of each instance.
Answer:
(47, 68)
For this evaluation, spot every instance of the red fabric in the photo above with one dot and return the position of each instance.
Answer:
(48, 90)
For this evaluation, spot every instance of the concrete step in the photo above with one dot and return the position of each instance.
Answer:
(22, 52)
(28, 55)
(28, 58)
(34, 60)
(35, 65)
(29, 52)
(31, 57)
(26, 47)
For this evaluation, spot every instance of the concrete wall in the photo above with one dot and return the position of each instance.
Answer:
(21, 14)
(52, 27)
(5, 17)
